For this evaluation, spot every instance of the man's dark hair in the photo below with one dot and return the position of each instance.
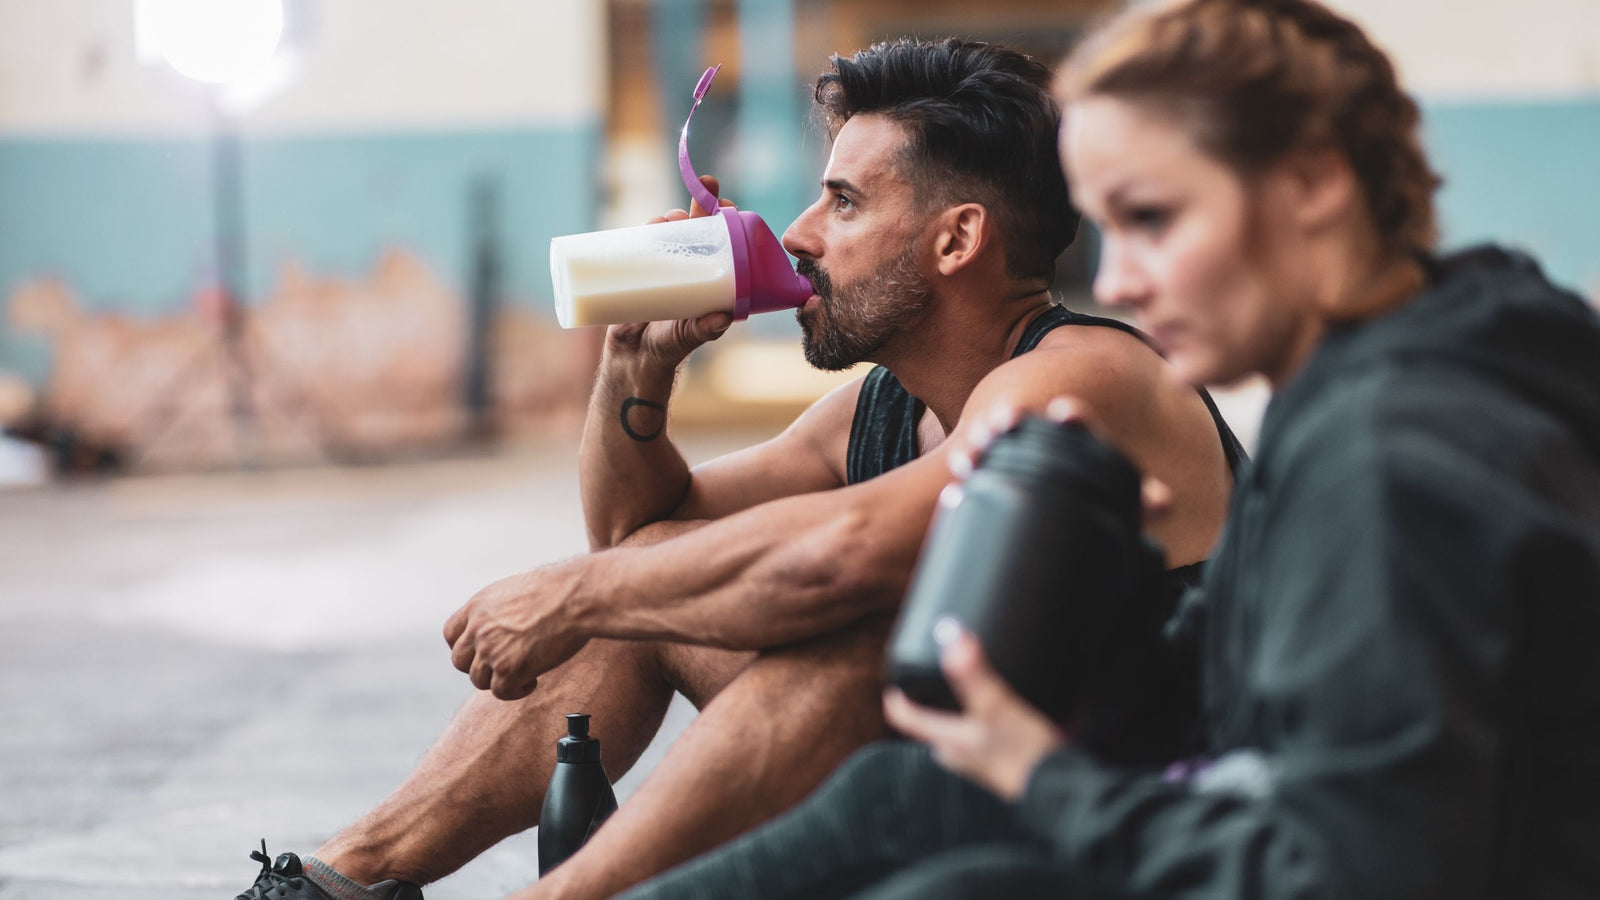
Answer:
(981, 128)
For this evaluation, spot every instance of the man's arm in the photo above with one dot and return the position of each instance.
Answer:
(777, 572)
(631, 474)
(781, 571)
(629, 471)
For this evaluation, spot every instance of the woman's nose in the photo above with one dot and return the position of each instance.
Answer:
(1119, 281)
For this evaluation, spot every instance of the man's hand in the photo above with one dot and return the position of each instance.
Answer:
(513, 631)
(666, 344)
(996, 740)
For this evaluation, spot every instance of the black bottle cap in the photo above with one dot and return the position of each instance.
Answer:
(577, 746)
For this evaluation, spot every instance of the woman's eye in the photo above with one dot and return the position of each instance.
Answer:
(1149, 218)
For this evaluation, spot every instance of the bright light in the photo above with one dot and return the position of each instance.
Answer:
(216, 41)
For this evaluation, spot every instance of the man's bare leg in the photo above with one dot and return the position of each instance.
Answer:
(484, 779)
(770, 737)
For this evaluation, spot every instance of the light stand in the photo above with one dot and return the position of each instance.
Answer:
(218, 43)
(227, 203)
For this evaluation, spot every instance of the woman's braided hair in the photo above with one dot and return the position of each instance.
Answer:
(1253, 80)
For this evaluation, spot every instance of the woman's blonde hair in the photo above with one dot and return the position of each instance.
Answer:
(1251, 81)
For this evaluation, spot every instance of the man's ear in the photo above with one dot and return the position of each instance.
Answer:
(964, 232)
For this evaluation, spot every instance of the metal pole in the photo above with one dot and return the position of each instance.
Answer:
(227, 193)
(483, 302)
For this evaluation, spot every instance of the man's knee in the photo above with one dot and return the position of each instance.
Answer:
(849, 657)
(699, 673)
(852, 654)
(602, 662)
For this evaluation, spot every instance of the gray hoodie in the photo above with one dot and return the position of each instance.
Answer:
(1400, 632)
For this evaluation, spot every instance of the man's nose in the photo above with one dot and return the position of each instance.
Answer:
(800, 238)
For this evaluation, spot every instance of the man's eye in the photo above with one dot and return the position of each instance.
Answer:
(842, 202)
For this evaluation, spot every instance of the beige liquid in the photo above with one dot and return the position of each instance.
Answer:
(606, 292)
(642, 274)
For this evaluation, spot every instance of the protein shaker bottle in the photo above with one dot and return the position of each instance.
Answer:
(729, 261)
(579, 797)
(1035, 554)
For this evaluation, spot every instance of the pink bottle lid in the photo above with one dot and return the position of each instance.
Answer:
(763, 278)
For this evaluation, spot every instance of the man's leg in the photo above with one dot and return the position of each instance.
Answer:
(485, 778)
(767, 739)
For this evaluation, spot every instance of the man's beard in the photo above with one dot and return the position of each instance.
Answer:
(854, 321)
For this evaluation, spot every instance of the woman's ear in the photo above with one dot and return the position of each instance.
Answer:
(963, 233)
(1323, 188)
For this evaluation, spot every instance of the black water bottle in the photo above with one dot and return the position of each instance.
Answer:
(1037, 554)
(579, 797)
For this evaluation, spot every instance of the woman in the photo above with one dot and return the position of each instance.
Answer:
(1397, 634)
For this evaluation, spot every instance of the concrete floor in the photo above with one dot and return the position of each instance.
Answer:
(190, 664)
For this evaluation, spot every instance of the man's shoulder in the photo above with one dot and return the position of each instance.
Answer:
(1088, 361)
(1095, 334)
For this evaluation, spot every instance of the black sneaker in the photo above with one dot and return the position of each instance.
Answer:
(286, 879)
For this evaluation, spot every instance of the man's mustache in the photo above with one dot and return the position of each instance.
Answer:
(814, 273)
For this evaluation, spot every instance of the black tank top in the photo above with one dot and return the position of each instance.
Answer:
(1155, 713)
(883, 434)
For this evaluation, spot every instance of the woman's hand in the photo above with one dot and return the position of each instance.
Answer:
(1155, 496)
(997, 739)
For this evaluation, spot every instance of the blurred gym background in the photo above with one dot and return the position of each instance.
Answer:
(281, 385)
(303, 231)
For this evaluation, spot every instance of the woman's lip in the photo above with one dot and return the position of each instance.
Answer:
(1163, 333)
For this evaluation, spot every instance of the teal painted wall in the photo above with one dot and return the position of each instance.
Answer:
(1524, 174)
(128, 224)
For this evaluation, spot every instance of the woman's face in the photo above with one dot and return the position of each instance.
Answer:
(1204, 260)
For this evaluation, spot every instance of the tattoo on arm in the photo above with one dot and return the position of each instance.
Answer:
(657, 414)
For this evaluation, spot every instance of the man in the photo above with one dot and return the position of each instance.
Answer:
(760, 585)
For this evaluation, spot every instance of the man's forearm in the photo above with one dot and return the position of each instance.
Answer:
(629, 472)
(783, 571)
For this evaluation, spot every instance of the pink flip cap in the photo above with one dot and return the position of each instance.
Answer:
(763, 278)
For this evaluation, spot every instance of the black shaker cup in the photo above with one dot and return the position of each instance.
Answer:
(1037, 553)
